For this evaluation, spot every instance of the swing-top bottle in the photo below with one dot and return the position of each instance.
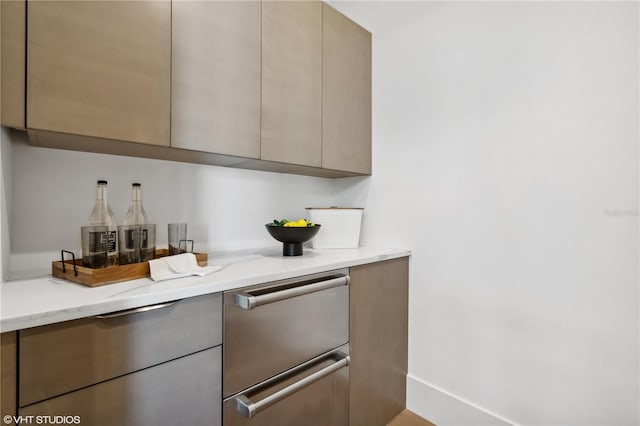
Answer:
(103, 215)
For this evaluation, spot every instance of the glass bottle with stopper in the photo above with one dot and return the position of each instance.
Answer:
(136, 214)
(103, 215)
(138, 233)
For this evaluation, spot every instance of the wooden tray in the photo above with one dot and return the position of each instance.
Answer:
(113, 274)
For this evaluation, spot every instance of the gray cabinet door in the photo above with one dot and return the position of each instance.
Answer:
(323, 402)
(9, 373)
(346, 94)
(378, 339)
(186, 391)
(271, 338)
(63, 357)
(100, 69)
(292, 82)
(216, 77)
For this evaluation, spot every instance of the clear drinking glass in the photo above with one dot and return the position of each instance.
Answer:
(177, 238)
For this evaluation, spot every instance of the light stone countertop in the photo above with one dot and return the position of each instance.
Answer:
(45, 300)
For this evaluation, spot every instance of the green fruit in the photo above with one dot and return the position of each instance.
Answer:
(277, 222)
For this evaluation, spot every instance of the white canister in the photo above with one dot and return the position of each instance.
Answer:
(340, 227)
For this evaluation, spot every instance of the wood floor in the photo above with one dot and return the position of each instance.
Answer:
(407, 418)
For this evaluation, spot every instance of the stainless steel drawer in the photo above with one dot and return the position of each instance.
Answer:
(63, 357)
(185, 391)
(272, 327)
(315, 393)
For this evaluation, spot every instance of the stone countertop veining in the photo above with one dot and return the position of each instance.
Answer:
(45, 300)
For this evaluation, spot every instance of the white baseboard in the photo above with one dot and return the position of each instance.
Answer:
(445, 409)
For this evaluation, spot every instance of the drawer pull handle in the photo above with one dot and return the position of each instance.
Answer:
(136, 310)
(249, 409)
(246, 300)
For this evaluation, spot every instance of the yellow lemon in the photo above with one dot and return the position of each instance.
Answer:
(302, 223)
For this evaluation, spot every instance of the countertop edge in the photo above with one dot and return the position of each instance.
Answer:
(154, 293)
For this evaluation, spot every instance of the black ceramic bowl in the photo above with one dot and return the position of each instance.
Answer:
(292, 237)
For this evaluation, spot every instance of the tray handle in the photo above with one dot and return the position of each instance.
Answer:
(73, 258)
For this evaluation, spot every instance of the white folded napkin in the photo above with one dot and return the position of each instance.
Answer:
(178, 266)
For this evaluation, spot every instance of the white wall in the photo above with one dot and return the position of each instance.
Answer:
(54, 192)
(506, 156)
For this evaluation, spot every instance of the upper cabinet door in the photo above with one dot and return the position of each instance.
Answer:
(292, 82)
(13, 21)
(346, 90)
(216, 77)
(100, 68)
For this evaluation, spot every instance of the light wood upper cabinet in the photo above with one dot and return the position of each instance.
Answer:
(13, 24)
(346, 94)
(292, 82)
(282, 86)
(216, 77)
(100, 69)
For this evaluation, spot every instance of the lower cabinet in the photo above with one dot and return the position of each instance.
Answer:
(9, 376)
(59, 358)
(154, 365)
(186, 391)
(322, 402)
(378, 338)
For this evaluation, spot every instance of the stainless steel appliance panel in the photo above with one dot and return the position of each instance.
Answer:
(315, 393)
(185, 391)
(58, 358)
(272, 327)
